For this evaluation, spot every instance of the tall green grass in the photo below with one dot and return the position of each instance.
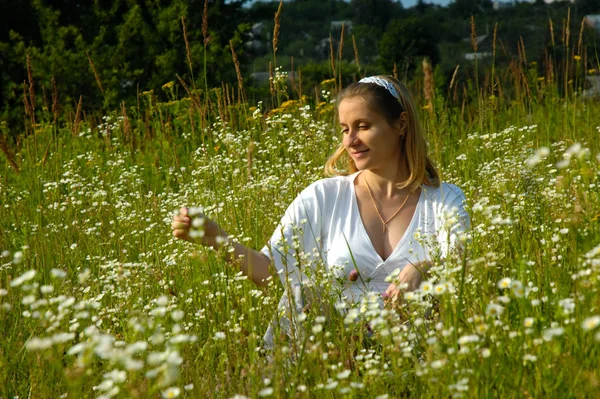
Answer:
(98, 300)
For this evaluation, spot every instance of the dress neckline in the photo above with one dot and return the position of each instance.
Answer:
(354, 204)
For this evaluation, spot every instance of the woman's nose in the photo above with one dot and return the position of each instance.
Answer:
(352, 137)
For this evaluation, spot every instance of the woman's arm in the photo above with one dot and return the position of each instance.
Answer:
(253, 264)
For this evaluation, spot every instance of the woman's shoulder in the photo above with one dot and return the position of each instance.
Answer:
(444, 193)
(330, 185)
(322, 195)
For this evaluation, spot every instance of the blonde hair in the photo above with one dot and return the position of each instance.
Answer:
(421, 169)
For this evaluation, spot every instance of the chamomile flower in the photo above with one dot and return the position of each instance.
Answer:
(494, 310)
(505, 283)
(528, 322)
(170, 393)
(426, 287)
(590, 323)
(439, 289)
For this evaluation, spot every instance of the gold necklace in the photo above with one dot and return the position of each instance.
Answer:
(385, 223)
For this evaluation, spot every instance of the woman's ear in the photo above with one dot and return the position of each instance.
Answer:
(402, 124)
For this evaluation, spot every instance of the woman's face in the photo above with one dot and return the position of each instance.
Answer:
(368, 137)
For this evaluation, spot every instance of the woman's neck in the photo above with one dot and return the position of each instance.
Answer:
(384, 182)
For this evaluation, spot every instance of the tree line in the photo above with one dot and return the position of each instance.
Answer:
(107, 52)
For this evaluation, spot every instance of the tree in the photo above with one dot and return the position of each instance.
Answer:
(588, 6)
(466, 8)
(406, 40)
(375, 13)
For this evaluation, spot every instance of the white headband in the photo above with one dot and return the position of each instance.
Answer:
(383, 83)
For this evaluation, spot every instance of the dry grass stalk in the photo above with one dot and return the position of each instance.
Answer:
(26, 104)
(226, 98)
(453, 77)
(9, 154)
(568, 28)
(55, 105)
(527, 88)
(187, 44)
(499, 87)
(31, 86)
(96, 76)
(494, 40)
(77, 116)
(45, 99)
(238, 71)
(341, 45)
(552, 33)
(549, 68)
(455, 94)
(463, 107)
(249, 160)
(521, 50)
(428, 84)
(276, 27)
(332, 56)
(293, 75)
(355, 47)
(220, 105)
(340, 52)
(514, 68)
(47, 151)
(126, 123)
(191, 117)
(300, 84)
(205, 24)
(566, 40)
(580, 41)
(189, 93)
(473, 35)
(395, 72)
(271, 80)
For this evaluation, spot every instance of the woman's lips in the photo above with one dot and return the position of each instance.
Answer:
(359, 154)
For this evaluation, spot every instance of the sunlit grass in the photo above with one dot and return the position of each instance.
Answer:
(98, 300)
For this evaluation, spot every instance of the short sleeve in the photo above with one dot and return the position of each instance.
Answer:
(453, 217)
(296, 242)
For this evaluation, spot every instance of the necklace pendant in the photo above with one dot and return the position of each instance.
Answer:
(384, 228)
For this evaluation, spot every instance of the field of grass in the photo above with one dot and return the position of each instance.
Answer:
(97, 299)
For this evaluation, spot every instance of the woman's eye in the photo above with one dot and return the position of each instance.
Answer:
(344, 131)
(363, 127)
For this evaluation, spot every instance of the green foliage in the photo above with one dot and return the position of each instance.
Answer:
(137, 44)
(115, 301)
(404, 41)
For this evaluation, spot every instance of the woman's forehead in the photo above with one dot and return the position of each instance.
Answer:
(354, 108)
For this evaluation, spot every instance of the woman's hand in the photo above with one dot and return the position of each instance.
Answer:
(252, 263)
(214, 235)
(409, 279)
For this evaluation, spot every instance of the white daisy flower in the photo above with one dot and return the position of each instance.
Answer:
(590, 323)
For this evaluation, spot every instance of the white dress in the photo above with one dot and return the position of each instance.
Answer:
(323, 226)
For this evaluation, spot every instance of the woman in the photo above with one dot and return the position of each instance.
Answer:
(377, 217)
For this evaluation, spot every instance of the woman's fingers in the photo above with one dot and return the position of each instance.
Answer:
(411, 276)
(182, 220)
(181, 224)
(392, 295)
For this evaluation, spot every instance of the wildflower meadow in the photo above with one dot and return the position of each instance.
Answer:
(97, 299)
